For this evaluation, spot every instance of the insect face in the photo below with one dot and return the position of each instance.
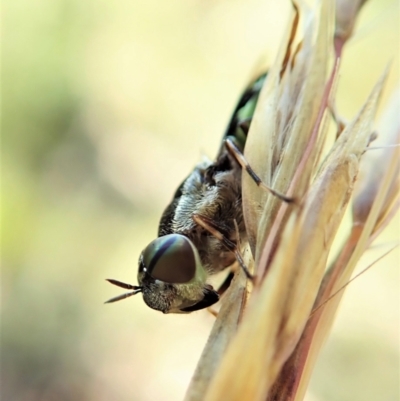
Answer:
(171, 277)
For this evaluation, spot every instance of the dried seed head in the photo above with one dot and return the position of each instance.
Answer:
(346, 17)
(273, 352)
(383, 161)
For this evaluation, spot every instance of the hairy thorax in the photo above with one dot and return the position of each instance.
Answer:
(212, 190)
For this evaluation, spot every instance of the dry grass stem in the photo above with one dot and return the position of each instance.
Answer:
(271, 353)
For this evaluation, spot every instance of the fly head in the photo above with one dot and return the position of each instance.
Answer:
(171, 277)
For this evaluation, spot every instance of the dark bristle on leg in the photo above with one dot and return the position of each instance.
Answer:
(238, 155)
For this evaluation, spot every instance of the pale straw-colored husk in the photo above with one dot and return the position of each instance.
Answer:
(264, 345)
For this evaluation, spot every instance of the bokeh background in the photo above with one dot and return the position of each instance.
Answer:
(106, 108)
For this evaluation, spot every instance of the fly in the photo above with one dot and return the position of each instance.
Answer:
(201, 229)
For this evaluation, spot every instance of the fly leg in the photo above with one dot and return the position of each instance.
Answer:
(221, 291)
(214, 230)
(239, 157)
(212, 311)
(226, 283)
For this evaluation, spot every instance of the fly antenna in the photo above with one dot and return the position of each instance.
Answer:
(135, 288)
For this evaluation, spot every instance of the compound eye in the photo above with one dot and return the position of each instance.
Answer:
(171, 258)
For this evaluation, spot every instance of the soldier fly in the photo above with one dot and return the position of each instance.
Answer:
(201, 230)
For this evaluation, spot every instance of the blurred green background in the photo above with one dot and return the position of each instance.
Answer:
(106, 108)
